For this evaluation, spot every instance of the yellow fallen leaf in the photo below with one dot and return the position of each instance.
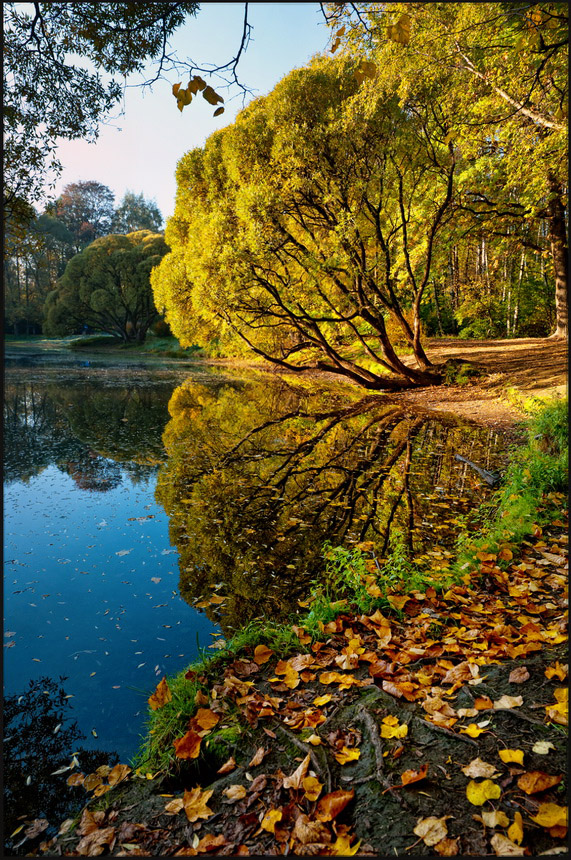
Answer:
(322, 700)
(511, 755)
(194, 803)
(270, 820)
(341, 847)
(314, 740)
(515, 831)
(479, 792)
(312, 787)
(472, 729)
(347, 754)
(551, 815)
(557, 671)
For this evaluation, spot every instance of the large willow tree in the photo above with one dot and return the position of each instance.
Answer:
(308, 224)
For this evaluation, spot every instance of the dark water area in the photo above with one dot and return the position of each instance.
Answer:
(148, 512)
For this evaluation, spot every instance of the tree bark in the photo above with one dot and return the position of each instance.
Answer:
(558, 241)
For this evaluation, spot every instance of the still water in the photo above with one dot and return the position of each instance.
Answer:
(147, 512)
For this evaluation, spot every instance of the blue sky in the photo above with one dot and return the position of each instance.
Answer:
(139, 150)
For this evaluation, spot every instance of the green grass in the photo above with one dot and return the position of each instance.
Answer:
(534, 486)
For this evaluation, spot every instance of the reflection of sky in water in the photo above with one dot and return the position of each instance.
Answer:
(91, 593)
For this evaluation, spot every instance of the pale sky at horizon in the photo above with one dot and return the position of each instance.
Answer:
(142, 155)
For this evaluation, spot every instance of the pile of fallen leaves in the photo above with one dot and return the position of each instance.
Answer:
(435, 729)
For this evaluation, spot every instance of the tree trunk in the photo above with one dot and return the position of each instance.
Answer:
(558, 241)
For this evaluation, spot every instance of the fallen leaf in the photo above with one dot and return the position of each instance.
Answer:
(92, 781)
(173, 807)
(333, 803)
(508, 702)
(497, 818)
(551, 815)
(479, 792)
(432, 830)
(194, 803)
(515, 831)
(206, 718)
(209, 842)
(504, 847)
(188, 746)
(235, 792)
(542, 747)
(310, 832)
(519, 675)
(270, 820)
(258, 757)
(477, 768)
(410, 776)
(296, 779)
(312, 787)
(75, 779)
(556, 671)
(447, 847)
(118, 774)
(93, 844)
(229, 765)
(472, 730)
(262, 654)
(347, 754)
(535, 781)
(511, 755)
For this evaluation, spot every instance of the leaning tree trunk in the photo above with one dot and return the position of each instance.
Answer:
(558, 241)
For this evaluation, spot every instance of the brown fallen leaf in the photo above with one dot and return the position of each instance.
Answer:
(205, 718)
(90, 821)
(410, 776)
(477, 768)
(504, 847)
(188, 746)
(519, 675)
(432, 830)
(258, 757)
(118, 774)
(228, 766)
(535, 780)
(94, 843)
(333, 803)
(262, 654)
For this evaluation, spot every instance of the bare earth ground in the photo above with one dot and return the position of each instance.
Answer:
(530, 367)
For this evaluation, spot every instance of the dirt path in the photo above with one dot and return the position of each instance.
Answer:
(530, 367)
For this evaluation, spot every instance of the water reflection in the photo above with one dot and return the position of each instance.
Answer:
(258, 479)
(40, 738)
(85, 428)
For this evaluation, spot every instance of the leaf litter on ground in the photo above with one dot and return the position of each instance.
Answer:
(452, 701)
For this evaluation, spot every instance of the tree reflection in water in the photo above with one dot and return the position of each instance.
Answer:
(40, 737)
(258, 479)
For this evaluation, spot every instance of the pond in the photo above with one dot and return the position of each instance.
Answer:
(150, 511)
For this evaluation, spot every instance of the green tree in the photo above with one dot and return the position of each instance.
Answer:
(107, 287)
(504, 68)
(86, 209)
(309, 223)
(50, 92)
(136, 213)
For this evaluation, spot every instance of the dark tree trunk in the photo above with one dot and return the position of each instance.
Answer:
(558, 241)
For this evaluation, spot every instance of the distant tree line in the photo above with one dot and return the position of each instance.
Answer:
(36, 257)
